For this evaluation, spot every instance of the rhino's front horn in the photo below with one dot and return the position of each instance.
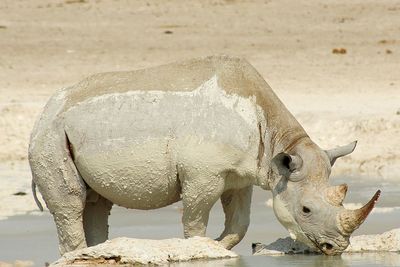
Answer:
(350, 220)
(336, 194)
(341, 151)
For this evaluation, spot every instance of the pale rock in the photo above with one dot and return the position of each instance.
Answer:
(143, 251)
(282, 246)
(388, 241)
(385, 242)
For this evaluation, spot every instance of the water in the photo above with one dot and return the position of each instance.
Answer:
(362, 260)
(32, 237)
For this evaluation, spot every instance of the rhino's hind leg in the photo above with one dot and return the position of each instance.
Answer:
(61, 186)
(95, 218)
(236, 205)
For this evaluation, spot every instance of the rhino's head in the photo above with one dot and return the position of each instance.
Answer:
(307, 206)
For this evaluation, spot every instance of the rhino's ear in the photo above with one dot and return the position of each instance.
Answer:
(288, 165)
(341, 151)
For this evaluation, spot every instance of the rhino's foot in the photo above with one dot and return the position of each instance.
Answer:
(229, 241)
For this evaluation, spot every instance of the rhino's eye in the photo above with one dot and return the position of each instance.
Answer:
(306, 210)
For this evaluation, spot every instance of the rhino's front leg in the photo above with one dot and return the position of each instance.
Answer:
(236, 205)
(199, 194)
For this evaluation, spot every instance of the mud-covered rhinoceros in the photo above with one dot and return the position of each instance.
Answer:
(197, 131)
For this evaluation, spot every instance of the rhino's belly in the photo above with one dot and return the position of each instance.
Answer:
(133, 176)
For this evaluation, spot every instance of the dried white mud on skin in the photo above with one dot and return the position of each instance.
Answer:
(386, 242)
(131, 251)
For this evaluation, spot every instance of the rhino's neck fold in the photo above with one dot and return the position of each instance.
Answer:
(288, 140)
(284, 140)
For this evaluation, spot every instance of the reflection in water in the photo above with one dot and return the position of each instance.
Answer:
(302, 260)
(380, 259)
(346, 260)
(278, 261)
(211, 263)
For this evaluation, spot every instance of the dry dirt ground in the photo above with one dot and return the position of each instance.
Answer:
(335, 64)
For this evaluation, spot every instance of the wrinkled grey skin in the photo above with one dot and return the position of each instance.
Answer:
(196, 131)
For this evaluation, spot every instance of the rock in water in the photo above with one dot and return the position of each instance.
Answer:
(143, 251)
(388, 241)
(385, 242)
(282, 246)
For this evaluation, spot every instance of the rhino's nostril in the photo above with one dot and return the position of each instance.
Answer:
(306, 210)
(327, 246)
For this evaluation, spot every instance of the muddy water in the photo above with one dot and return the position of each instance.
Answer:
(32, 237)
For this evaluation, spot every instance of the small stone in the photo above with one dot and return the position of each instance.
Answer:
(75, 1)
(20, 194)
(339, 51)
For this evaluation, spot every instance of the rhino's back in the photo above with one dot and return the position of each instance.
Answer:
(233, 76)
(191, 99)
(207, 113)
(236, 76)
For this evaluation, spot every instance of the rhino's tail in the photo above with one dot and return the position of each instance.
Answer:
(35, 196)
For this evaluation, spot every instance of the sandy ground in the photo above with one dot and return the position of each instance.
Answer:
(46, 45)
(334, 64)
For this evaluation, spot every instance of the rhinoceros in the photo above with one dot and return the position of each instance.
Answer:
(197, 131)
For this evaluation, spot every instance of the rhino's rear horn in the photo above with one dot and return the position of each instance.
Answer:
(336, 194)
(350, 220)
(334, 154)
